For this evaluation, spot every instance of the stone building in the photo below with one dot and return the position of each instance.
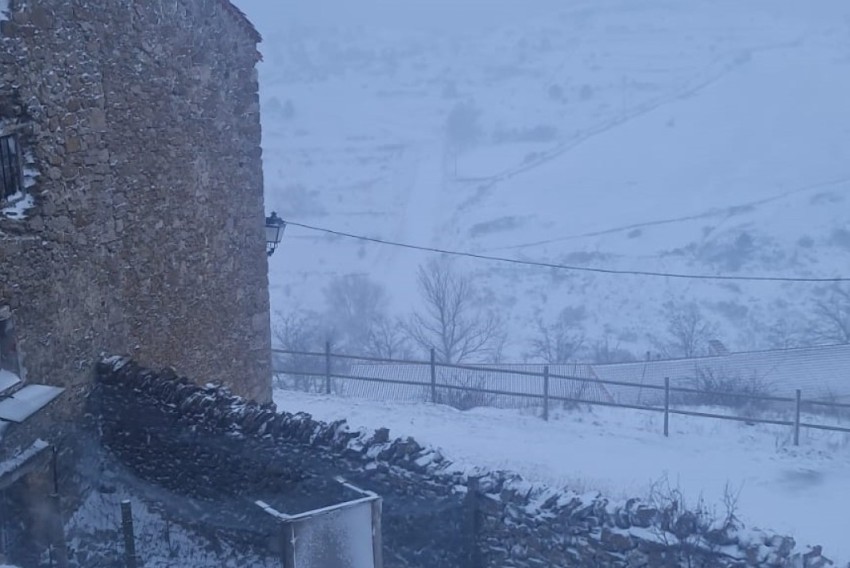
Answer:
(131, 192)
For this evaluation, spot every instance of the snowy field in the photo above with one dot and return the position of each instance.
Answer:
(798, 491)
(701, 137)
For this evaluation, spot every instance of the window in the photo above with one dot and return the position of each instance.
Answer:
(11, 181)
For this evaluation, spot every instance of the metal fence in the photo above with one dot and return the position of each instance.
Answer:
(522, 385)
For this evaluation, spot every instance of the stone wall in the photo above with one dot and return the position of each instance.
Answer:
(205, 443)
(430, 516)
(139, 123)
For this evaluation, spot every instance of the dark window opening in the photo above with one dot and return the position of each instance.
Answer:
(8, 344)
(11, 180)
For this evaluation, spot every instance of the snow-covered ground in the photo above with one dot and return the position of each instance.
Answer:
(798, 491)
(159, 543)
(703, 137)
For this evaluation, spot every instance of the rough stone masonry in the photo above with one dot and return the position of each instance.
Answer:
(140, 226)
(431, 517)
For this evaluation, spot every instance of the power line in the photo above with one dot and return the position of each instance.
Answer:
(540, 264)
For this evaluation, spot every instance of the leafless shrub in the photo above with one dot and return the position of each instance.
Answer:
(300, 332)
(694, 531)
(354, 307)
(832, 316)
(688, 331)
(451, 320)
(830, 396)
(387, 340)
(463, 398)
(559, 341)
(786, 333)
(719, 387)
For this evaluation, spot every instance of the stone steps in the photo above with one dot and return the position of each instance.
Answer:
(26, 400)
(9, 383)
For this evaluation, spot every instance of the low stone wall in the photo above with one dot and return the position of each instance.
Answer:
(207, 444)
(430, 516)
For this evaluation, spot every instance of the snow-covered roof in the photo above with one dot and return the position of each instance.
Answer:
(504, 377)
(820, 372)
(27, 401)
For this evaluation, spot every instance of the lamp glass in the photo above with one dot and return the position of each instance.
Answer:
(273, 234)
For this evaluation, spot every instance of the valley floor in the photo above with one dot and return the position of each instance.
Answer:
(798, 491)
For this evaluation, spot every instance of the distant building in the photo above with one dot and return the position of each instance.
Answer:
(131, 201)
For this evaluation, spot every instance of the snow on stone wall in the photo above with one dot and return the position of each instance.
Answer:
(430, 516)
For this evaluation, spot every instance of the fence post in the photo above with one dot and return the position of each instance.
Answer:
(327, 367)
(797, 419)
(377, 539)
(433, 377)
(129, 540)
(666, 407)
(59, 550)
(473, 556)
(287, 544)
(58, 543)
(546, 392)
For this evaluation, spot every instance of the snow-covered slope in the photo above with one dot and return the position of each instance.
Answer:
(797, 491)
(704, 137)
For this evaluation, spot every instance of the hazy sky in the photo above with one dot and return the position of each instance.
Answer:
(447, 15)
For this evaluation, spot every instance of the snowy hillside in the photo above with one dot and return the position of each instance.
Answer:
(705, 137)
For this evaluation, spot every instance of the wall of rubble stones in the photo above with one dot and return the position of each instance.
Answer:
(140, 134)
(431, 510)
(208, 444)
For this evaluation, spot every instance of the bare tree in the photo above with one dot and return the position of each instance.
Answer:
(354, 306)
(604, 352)
(559, 341)
(298, 332)
(832, 313)
(387, 340)
(688, 330)
(451, 321)
(786, 332)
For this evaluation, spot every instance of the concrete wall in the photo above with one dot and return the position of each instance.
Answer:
(140, 127)
(430, 519)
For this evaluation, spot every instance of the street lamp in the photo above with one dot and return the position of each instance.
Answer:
(274, 231)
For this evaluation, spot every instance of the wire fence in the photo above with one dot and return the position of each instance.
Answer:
(545, 387)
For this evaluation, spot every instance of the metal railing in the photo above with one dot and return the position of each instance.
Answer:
(317, 368)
